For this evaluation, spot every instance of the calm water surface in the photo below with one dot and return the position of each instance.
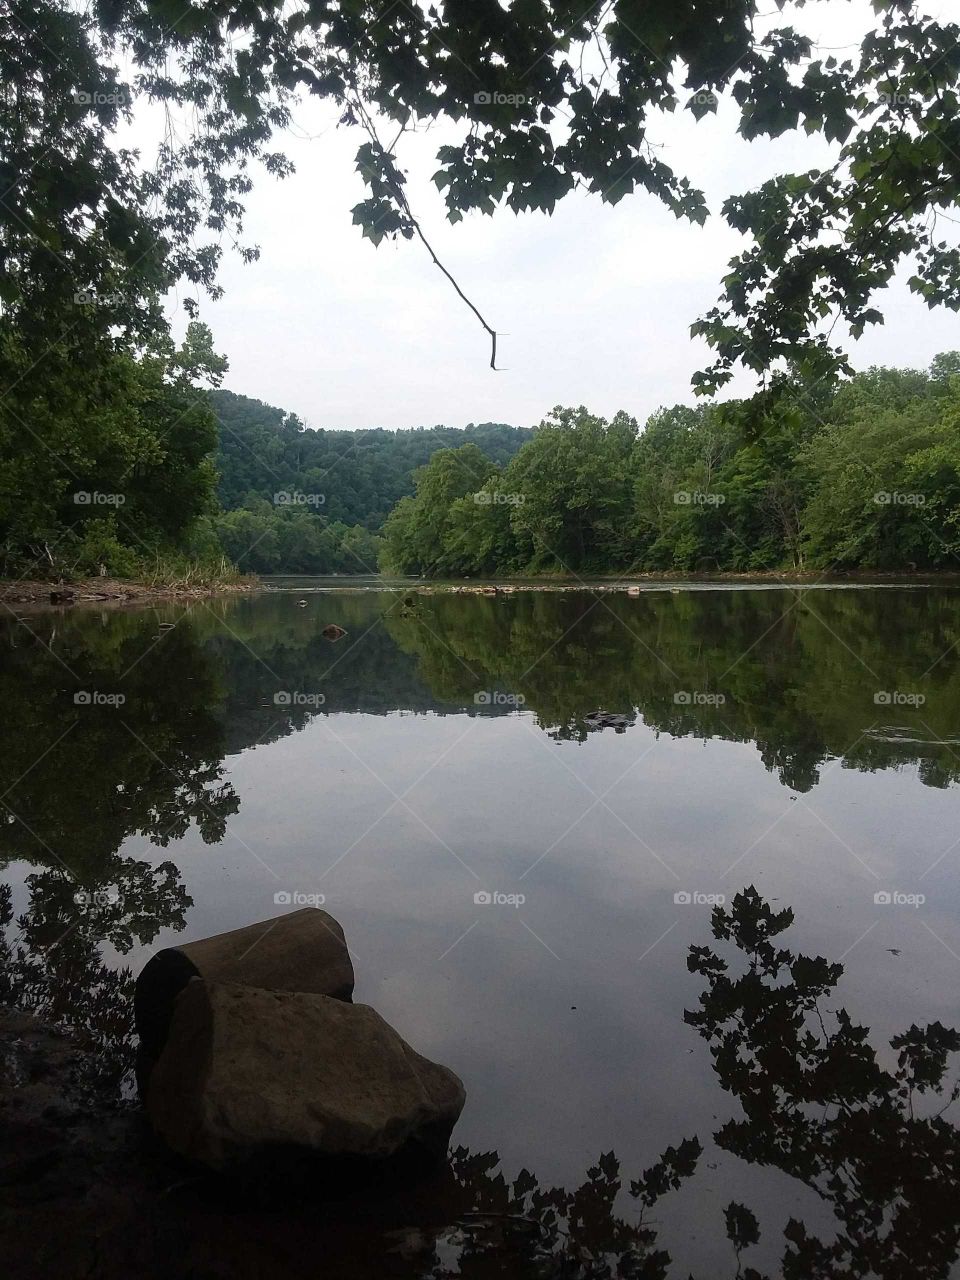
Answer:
(806, 742)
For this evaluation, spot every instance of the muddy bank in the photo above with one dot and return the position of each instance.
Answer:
(113, 591)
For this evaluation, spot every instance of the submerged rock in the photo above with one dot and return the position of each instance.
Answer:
(299, 951)
(332, 632)
(255, 1082)
(608, 720)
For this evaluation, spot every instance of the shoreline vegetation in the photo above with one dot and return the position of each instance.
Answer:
(862, 477)
(115, 591)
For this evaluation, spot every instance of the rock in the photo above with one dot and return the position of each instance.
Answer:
(608, 720)
(90, 1193)
(633, 591)
(255, 1083)
(332, 632)
(300, 951)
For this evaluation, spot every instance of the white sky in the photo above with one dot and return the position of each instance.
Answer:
(597, 301)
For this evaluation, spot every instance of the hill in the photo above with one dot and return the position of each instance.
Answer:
(359, 475)
(299, 500)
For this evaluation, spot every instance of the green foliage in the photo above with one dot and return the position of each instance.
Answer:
(867, 477)
(419, 536)
(104, 465)
(360, 475)
(93, 236)
(537, 99)
(99, 547)
(571, 486)
(888, 478)
(313, 501)
(260, 538)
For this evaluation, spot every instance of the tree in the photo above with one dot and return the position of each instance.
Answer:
(866, 477)
(887, 488)
(572, 486)
(415, 535)
(105, 464)
(360, 475)
(676, 465)
(479, 538)
(544, 98)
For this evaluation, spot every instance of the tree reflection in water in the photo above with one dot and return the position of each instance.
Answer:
(875, 1144)
(815, 1102)
(78, 778)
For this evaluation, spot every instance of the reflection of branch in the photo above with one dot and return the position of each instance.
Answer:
(403, 202)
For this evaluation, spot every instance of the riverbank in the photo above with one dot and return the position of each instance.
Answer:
(629, 584)
(37, 593)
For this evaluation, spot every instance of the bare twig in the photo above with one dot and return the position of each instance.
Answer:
(403, 202)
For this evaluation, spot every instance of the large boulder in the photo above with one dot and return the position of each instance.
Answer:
(257, 1082)
(299, 951)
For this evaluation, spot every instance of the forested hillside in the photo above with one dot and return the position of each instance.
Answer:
(360, 474)
(298, 500)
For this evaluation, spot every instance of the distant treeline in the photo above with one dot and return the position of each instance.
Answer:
(297, 500)
(864, 476)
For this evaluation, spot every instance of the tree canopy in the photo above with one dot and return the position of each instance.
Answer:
(544, 97)
(867, 477)
(540, 97)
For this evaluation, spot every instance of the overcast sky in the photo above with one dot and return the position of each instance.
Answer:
(596, 300)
